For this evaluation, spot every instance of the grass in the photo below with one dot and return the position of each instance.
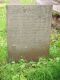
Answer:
(3, 34)
(43, 69)
(55, 44)
(24, 2)
(27, 2)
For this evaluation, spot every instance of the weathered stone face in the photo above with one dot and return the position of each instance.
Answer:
(28, 31)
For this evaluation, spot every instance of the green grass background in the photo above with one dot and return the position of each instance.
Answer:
(24, 2)
(27, 2)
(3, 34)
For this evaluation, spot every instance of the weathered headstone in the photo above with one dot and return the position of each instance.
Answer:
(28, 29)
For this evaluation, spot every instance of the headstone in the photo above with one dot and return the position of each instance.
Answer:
(28, 28)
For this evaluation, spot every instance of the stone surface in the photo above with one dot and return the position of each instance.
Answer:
(28, 29)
